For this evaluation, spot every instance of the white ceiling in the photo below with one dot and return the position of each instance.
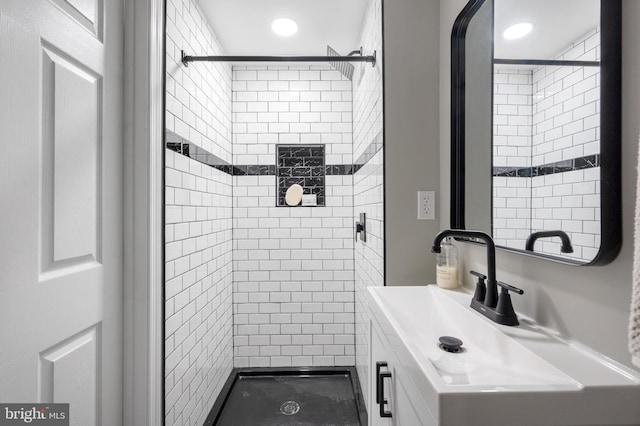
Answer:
(243, 27)
(556, 24)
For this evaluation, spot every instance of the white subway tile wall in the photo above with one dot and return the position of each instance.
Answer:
(512, 117)
(512, 132)
(367, 83)
(543, 116)
(290, 105)
(566, 106)
(569, 201)
(368, 182)
(293, 266)
(199, 96)
(198, 287)
(511, 211)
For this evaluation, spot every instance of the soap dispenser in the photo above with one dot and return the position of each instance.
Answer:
(447, 265)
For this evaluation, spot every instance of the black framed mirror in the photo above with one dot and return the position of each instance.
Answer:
(536, 126)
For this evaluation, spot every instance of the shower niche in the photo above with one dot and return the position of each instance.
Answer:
(302, 165)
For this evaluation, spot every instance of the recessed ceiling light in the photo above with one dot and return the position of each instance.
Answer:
(284, 26)
(517, 31)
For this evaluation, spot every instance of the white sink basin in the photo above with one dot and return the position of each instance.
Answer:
(525, 373)
(490, 360)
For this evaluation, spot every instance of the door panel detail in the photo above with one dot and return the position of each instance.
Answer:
(88, 13)
(71, 147)
(69, 374)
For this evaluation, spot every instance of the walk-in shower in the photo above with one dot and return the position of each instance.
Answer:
(259, 292)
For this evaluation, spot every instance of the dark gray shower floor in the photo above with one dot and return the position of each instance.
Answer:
(294, 400)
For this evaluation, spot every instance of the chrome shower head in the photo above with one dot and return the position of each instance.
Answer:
(345, 68)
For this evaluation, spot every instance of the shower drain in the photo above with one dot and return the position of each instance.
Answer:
(290, 408)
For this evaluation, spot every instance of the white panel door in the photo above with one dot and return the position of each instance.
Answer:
(61, 214)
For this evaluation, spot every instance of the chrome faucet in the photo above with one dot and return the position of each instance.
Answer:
(485, 299)
(566, 241)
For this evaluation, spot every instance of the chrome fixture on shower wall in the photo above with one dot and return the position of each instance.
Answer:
(345, 68)
(361, 228)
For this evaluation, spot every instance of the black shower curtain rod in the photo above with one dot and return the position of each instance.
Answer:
(188, 58)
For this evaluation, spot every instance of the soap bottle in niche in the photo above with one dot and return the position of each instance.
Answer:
(447, 265)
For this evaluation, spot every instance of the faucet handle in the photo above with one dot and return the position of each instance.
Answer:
(506, 287)
(504, 309)
(481, 287)
(481, 277)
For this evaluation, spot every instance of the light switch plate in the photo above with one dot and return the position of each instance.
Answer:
(426, 205)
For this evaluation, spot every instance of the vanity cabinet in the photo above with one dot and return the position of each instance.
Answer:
(503, 376)
(392, 391)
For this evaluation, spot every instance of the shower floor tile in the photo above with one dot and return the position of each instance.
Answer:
(291, 400)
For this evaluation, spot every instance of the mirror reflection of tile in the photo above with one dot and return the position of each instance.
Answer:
(546, 128)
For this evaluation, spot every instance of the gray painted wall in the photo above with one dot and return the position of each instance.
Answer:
(587, 304)
(411, 44)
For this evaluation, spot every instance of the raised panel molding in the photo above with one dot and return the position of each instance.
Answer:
(69, 373)
(88, 13)
(71, 159)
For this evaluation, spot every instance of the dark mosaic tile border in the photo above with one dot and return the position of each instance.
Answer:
(580, 163)
(254, 170)
(339, 169)
(182, 146)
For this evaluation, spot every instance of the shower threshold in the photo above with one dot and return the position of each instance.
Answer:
(293, 396)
